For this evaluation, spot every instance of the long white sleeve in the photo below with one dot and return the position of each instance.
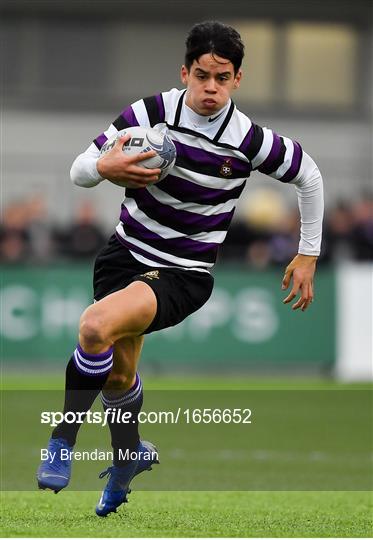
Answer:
(309, 188)
(83, 171)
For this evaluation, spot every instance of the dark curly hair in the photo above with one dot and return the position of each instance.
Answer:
(216, 38)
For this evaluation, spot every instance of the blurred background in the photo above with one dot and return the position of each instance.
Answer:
(69, 68)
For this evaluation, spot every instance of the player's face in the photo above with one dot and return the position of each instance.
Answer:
(210, 83)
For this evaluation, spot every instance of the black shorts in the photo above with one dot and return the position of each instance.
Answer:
(179, 292)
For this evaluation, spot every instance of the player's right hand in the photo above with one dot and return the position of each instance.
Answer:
(124, 170)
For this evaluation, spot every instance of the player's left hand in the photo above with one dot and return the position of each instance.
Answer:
(301, 269)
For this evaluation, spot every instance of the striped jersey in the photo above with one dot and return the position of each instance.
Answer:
(182, 220)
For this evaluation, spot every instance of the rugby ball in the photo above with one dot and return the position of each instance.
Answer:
(145, 139)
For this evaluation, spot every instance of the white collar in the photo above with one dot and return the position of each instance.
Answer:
(191, 120)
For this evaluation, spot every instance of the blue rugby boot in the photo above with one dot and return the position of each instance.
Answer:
(115, 492)
(148, 456)
(117, 489)
(55, 472)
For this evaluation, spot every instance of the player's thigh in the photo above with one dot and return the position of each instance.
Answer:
(124, 313)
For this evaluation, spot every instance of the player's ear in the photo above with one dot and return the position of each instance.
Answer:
(237, 79)
(184, 74)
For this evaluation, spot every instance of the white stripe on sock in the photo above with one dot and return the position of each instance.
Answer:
(95, 363)
(124, 400)
(130, 393)
(92, 371)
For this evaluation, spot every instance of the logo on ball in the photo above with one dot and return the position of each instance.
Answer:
(145, 139)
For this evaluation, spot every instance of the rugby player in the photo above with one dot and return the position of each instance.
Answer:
(155, 269)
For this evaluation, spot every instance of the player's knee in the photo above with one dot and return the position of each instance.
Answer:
(92, 328)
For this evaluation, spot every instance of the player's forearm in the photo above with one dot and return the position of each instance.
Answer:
(309, 188)
(83, 171)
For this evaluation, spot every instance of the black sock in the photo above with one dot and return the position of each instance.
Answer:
(86, 375)
(124, 436)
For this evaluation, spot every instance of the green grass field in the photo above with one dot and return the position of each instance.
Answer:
(190, 514)
(171, 513)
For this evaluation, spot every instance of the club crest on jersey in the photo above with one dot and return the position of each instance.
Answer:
(154, 274)
(226, 168)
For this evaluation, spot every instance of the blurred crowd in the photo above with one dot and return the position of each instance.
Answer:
(265, 233)
(28, 235)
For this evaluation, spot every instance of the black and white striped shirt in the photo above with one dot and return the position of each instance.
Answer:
(182, 220)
